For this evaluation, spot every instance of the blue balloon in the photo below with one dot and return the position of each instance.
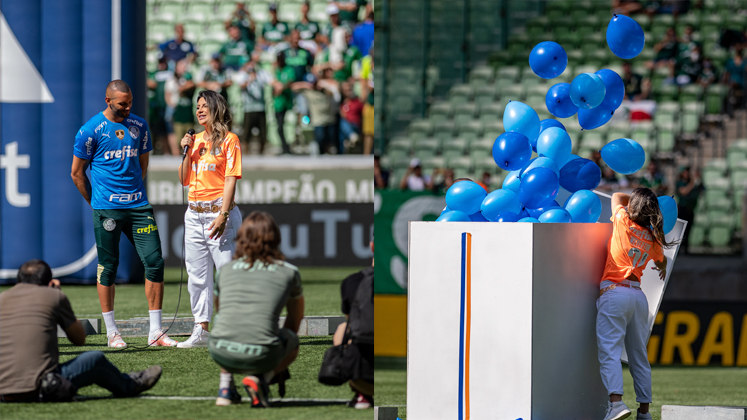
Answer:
(507, 217)
(511, 150)
(465, 196)
(668, 208)
(543, 162)
(551, 204)
(521, 118)
(625, 37)
(499, 203)
(538, 186)
(558, 101)
(548, 59)
(590, 119)
(587, 90)
(580, 174)
(615, 87)
(477, 217)
(554, 143)
(624, 156)
(453, 216)
(528, 219)
(549, 122)
(584, 207)
(555, 216)
(544, 125)
(512, 181)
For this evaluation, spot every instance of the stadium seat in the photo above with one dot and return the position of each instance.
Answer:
(714, 98)
(421, 128)
(591, 140)
(460, 164)
(440, 110)
(735, 157)
(719, 236)
(697, 237)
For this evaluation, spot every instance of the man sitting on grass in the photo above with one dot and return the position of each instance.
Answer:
(250, 293)
(29, 357)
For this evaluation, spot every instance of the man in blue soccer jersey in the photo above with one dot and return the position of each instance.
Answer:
(116, 144)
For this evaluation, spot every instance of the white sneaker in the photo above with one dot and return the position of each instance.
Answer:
(159, 338)
(199, 338)
(114, 340)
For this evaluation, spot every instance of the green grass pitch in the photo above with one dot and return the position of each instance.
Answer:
(190, 377)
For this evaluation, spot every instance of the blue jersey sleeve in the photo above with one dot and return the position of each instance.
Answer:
(85, 144)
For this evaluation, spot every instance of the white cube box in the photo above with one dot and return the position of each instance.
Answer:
(501, 319)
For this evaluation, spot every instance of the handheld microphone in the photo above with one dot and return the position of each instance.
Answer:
(191, 132)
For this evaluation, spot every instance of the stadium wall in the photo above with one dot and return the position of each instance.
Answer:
(322, 205)
(56, 58)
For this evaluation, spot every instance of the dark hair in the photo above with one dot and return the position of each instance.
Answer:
(643, 209)
(35, 272)
(118, 85)
(258, 239)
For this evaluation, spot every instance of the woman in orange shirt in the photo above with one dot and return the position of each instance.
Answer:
(622, 309)
(210, 168)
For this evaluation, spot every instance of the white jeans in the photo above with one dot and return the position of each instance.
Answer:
(201, 254)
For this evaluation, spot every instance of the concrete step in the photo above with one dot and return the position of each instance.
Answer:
(138, 327)
(685, 412)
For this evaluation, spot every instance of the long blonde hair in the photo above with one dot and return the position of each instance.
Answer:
(220, 117)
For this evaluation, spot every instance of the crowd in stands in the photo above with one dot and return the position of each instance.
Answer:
(321, 73)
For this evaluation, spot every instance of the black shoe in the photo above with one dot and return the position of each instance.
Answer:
(146, 379)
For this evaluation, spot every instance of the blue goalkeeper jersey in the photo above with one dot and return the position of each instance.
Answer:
(113, 150)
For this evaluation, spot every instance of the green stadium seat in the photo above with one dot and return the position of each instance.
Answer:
(430, 163)
(454, 146)
(402, 144)
(512, 73)
(421, 128)
(714, 98)
(719, 236)
(591, 140)
(440, 110)
(697, 236)
(468, 109)
(427, 146)
(481, 76)
(461, 164)
(690, 93)
(735, 157)
(472, 127)
(738, 178)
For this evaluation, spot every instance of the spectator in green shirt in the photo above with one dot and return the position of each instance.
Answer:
(308, 30)
(237, 50)
(274, 32)
(243, 19)
(282, 96)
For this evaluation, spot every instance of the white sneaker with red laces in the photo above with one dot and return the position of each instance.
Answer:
(361, 401)
(158, 338)
(115, 341)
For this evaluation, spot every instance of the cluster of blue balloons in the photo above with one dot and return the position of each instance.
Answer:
(529, 190)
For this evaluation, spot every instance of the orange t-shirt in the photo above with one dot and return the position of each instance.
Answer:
(630, 248)
(207, 176)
